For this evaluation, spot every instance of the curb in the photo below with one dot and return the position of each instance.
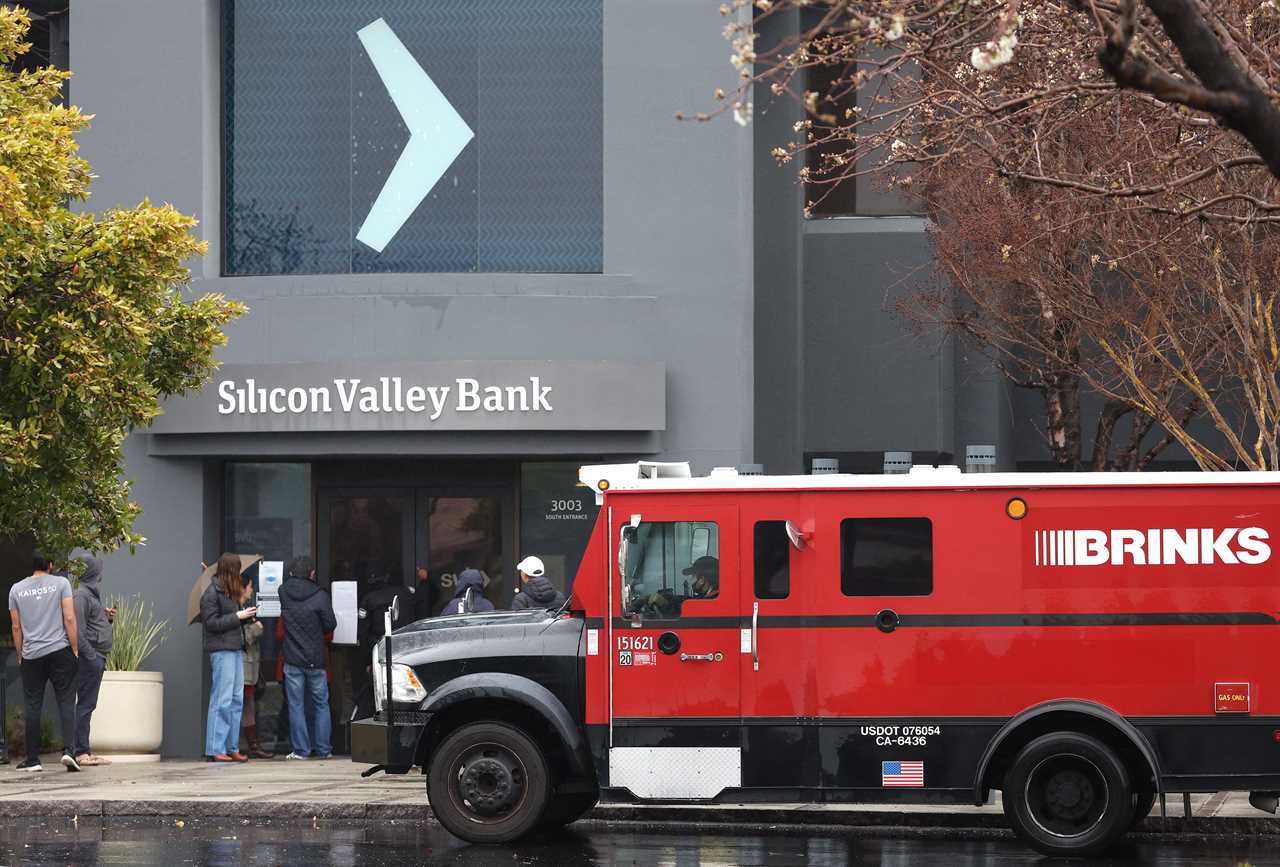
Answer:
(855, 822)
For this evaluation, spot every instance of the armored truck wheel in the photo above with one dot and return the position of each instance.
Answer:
(1142, 804)
(488, 783)
(1068, 794)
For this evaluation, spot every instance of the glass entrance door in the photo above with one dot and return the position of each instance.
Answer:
(411, 537)
(457, 533)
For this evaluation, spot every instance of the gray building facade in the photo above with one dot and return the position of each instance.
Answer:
(626, 332)
(431, 349)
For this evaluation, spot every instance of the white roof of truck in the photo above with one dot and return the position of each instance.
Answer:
(653, 476)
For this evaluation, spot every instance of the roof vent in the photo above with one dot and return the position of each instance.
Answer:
(897, 462)
(723, 473)
(980, 459)
(659, 470)
(751, 469)
(824, 466)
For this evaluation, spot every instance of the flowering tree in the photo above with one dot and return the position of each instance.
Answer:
(94, 326)
(993, 80)
(1102, 179)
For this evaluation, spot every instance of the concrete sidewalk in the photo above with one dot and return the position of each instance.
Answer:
(333, 789)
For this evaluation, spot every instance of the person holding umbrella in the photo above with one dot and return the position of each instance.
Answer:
(223, 616)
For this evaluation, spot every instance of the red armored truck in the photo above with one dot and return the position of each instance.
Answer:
(1081, 643)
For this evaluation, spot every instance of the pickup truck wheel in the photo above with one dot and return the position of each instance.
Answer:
(1068, 794)
(567, 809)
(488, 783)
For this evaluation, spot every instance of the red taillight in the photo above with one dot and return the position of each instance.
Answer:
(1275, 736)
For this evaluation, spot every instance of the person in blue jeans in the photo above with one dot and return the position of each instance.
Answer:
(223, 615)
(307, 614)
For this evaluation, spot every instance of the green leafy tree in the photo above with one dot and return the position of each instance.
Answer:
(95, 323)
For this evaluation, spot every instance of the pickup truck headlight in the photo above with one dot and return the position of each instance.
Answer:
(406, 688)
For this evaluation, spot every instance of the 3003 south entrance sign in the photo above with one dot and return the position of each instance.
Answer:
(444, 395)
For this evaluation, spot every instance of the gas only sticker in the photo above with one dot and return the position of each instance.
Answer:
(901, 736)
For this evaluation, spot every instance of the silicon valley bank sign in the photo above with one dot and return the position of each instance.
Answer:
(444, 395)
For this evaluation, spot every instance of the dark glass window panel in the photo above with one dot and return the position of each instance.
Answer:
(310, 136)
(772, 560)
(886, 556)
(556, 518)
(466, 533)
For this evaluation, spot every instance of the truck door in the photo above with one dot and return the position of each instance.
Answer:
(674, 645)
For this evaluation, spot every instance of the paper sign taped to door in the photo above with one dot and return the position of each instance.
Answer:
(345, 610)
(270, 577)
(593, 642)
(746, 641)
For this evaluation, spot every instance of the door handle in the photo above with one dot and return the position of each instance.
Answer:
(701, 657)
(755, 643)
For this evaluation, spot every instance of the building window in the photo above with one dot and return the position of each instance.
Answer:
(886, 556)
(556, 518)
(772, 560)
(321, 170)
(267, 510)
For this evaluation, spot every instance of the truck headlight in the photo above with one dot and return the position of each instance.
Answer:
(406, 688)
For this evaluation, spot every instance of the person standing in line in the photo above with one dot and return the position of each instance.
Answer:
(253, 631)
(46, 642)
(223, 616)
(93, 628)
(535, 591)
(473, 580)
(307, 614)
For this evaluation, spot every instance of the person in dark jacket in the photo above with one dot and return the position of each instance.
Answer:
(535, 591)
(93, 632)
(473, 580)
(307, 614)
(223, 615)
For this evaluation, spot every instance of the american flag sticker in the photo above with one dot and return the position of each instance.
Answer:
(902, 774)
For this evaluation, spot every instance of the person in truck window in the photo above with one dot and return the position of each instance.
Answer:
(535, 591)
(706, 578)
(472, 580)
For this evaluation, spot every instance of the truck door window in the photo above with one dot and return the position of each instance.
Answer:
(668, 563)
(772, 560)
(886, 556)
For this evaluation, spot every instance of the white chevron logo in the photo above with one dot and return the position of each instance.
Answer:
(437, 134)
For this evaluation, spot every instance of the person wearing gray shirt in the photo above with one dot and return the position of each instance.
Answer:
(45, 638)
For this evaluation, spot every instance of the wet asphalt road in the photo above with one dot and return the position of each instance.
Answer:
(162, 841)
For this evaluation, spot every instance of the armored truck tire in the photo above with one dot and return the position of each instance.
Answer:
(488, 783)
(1068, 794)
(1142, 804)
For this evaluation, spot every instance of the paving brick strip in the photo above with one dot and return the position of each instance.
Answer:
(333, 790)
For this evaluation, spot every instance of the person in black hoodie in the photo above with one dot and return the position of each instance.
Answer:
(308, 615)
(473, 580)
(535, 590)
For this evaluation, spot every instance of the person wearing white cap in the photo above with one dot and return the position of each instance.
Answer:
(535, 591)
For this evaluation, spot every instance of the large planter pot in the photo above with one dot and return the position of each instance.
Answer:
(129, 721)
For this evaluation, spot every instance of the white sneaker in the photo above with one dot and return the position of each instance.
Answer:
(30, 767)
(296, 757)
(69, 761)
